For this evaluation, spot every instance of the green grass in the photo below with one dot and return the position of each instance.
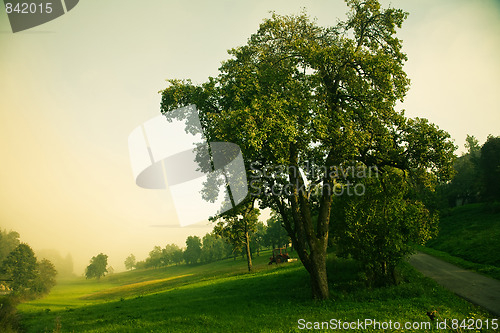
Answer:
(222, 297)
(469, 237)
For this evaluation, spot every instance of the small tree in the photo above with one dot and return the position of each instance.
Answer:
(97, 267)
(193, 250)
(237, 225)
(130, 262)
(46, 277)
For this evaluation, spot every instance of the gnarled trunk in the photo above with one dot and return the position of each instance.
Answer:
(318, 276)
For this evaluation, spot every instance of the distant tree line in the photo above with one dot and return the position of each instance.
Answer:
(477, 174)
(224, 242)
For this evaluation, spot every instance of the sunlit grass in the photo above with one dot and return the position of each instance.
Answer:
(222, 297)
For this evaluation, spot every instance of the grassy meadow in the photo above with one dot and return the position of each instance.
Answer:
(223, 297)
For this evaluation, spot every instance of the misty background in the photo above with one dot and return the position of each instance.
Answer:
(73, 89)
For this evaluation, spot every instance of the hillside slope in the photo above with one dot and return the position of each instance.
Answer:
(469, 237)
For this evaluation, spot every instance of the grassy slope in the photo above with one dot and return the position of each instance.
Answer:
(221, 297)
(469, 237)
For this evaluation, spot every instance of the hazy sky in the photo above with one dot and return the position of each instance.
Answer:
(73, 89)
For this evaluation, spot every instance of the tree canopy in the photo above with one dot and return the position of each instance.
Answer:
(192, 254)
(315, 99)
(27, 277)
(130, 262)
(98, 267)
(20, 265)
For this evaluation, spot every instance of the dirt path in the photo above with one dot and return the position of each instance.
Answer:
(474, 287)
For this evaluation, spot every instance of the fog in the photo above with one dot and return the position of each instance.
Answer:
(73, 89)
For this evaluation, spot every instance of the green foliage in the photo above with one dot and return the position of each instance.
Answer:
(477, 174)
(466, 185)
(214, 248)
(155, 258)
(237, 225)
(234, 226)
(192, 253)
(8, 242)
(130, 262)
(98, 267)
(26, 278)
(30, 278)
(312, 97)
(258, 240)
(490, 166)
(9, 319)
(20, 265)
(46, 277)
(382, 226)
(159, 257)
(276, 235)
(172, 254)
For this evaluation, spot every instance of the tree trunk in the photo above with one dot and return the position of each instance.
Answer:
(309, 239)
(319, 280)
(249, 255)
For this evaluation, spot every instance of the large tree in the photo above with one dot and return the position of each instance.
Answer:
(299, 96)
